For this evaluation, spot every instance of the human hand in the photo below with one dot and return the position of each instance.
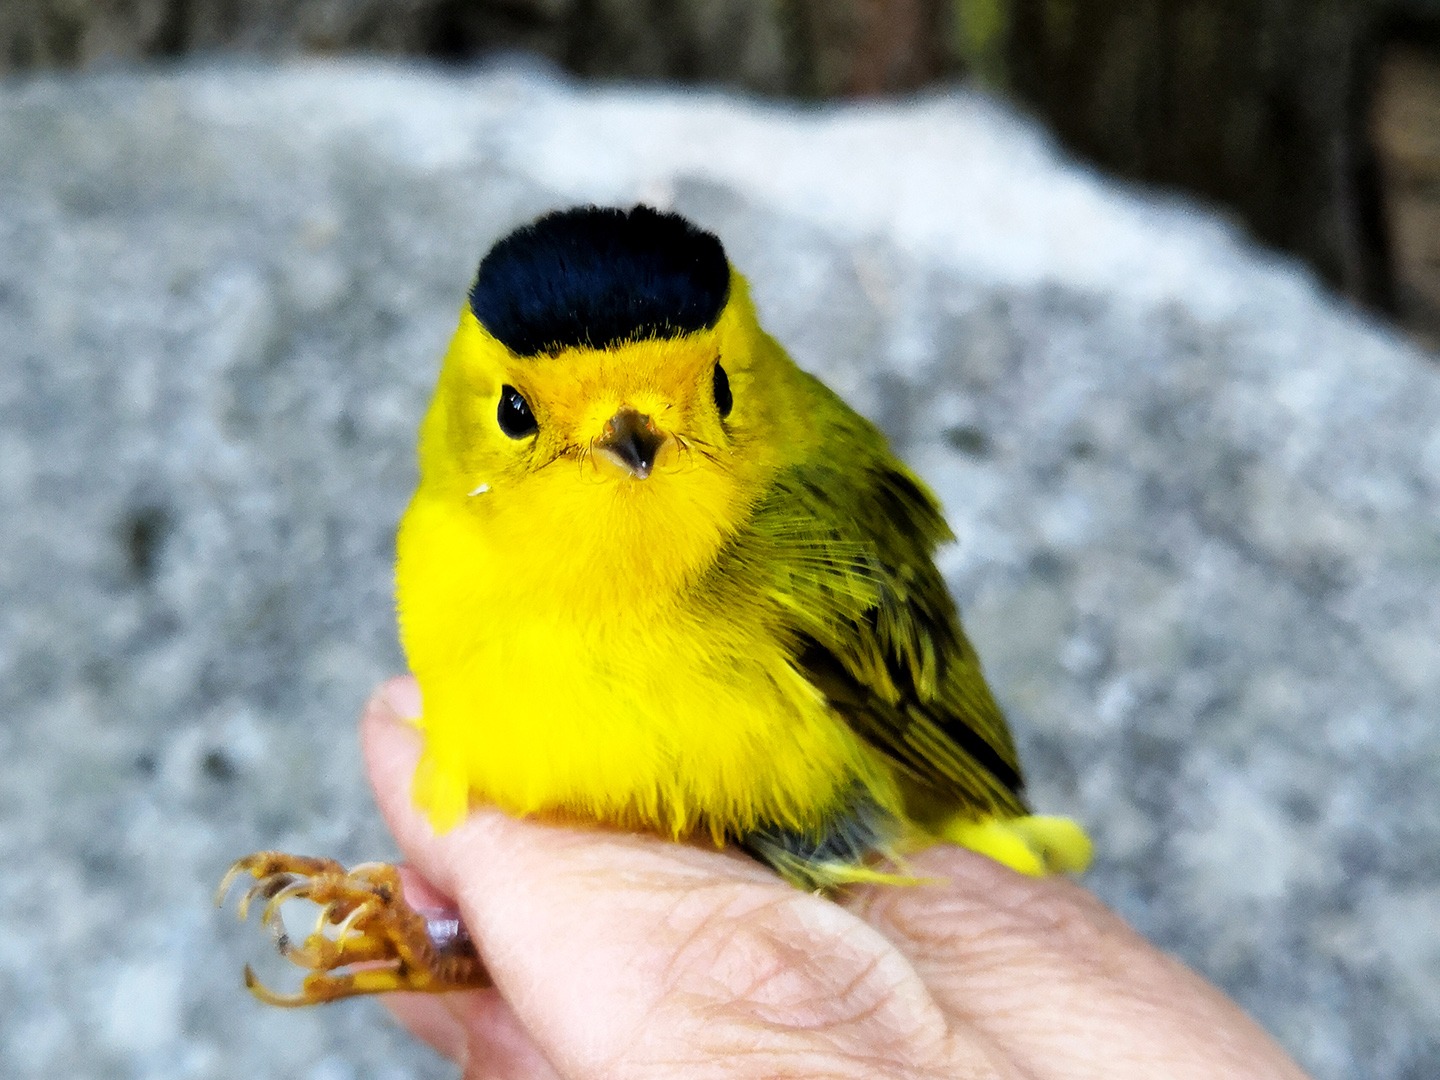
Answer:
(617, 955)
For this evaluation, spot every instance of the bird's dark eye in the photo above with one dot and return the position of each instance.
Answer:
(724, 400)
(514, 415)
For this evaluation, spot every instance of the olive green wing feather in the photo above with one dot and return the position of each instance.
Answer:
(851, 540)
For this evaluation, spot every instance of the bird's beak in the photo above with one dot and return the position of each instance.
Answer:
(632, 442)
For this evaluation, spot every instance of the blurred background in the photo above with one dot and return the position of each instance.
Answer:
(1148, 291)
(1315, 122)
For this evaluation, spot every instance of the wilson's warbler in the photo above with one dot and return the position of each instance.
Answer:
(658, 577)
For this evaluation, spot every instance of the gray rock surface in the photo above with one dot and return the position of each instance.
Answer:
(1197, 500)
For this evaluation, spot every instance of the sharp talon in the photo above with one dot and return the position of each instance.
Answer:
(296, 954)
(271, 884)
(292, 891)
(236, 869)
(264, 889)
(242, 909)
(263, 993)
(343, 928)
(279, 934)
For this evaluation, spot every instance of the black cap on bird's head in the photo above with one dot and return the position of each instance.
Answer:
(594, 277)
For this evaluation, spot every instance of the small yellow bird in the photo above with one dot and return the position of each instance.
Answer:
(658, 577)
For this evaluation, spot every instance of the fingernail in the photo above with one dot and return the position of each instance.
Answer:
(402, 695)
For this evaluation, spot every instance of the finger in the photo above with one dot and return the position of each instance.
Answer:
(622, 953)
(1043, 968)
(477, 1030)
(433, 1019)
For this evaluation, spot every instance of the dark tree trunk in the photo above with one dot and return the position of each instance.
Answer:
(1265, 106)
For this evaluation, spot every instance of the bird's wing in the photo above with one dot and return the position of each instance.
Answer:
(850, 538)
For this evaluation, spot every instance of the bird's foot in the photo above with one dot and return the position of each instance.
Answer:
(366, 940)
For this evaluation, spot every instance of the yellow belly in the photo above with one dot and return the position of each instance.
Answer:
(654, 716)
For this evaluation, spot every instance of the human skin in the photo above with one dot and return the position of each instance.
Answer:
(618, 955)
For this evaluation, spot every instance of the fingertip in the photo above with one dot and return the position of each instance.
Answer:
(402, 695)
(388, 734)
(391, 749)
(396, 701)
